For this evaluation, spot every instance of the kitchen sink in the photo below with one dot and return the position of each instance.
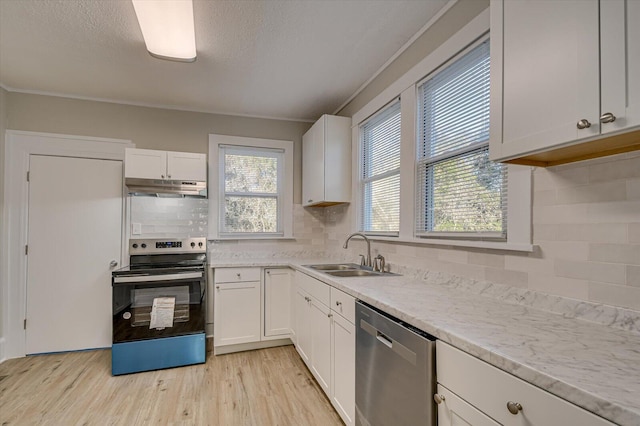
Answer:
(335, 266)
(355, 273)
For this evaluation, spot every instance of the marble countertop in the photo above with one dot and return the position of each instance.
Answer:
(592, 365)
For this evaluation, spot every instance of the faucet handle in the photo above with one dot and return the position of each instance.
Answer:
(379, 263)
(362, 260)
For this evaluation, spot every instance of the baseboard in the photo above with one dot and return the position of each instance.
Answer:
(221, 350)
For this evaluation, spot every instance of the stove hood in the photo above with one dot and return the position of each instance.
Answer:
(162, 187)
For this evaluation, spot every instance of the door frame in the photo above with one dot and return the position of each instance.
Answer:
(19, 145)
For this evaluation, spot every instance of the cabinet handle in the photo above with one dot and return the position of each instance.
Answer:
(607, 117)
(438, 398)
(218, 287)
(514, 407)
(330, 315)
(309, 201)
(162, 176)
(268, 272)
(338, 303)
(238, 274)
(583, 124)
(169, 176)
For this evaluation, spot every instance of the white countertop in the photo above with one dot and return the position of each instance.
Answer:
(592, 365)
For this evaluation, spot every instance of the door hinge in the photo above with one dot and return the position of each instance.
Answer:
(27, 176)
(26, 249)
(25, 323)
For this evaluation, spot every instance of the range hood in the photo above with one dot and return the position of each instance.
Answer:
(159, 187)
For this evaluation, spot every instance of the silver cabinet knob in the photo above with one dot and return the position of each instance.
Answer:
(514, 407)
(168, 176)
(583, 124)
(607, 117)
(162, 176)
(238, 274)
(218, 287)
(330, 315)
(113, 263)
(338, 303)
(438, 398)
(309, 201)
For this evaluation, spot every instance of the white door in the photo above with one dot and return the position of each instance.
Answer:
(236, 313)
(145, 163)
(320, 327)
(75, 232)
(186, 166)
(343, 369)
(277, 303)
(303, 324)
(313, 164)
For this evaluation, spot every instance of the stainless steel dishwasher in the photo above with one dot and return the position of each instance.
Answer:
(395, 371)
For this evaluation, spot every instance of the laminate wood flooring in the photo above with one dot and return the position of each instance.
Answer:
(264, 387)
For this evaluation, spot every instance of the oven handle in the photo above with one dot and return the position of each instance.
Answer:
(155, 278)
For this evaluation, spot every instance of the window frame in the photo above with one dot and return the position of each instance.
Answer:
(216, 199)
(519, 202)
(362, 181)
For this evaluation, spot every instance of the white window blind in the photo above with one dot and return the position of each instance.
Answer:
(251, 184)
(460, 192)
(380, 172)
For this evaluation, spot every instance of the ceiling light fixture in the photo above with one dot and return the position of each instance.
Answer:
(168, 29)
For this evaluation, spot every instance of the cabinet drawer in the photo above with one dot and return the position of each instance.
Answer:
(490, 389)
(343, 304)
(315, 288)
(236, 275)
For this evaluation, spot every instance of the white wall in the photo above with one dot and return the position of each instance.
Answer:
(3, 127)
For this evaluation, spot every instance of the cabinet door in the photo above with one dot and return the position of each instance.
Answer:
(343, 369)
(313, 164)
(303, 323)
(186, 166)
(145, 163)
(321, 344)
(544, 74)
(620, 63)
(277, 303)
(236, 313)
(454, 411)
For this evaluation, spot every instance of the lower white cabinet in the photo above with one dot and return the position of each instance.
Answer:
(504, 398)
(236, 313)
(325, 339)
(251, 308)
(277, 303)
(343, 367)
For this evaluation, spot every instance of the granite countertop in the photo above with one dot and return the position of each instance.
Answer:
(592, 365)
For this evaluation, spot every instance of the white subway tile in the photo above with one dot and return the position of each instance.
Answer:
(623, 168)
(633, 189)
(633, 275)
(602, 272)
(566, 287)
(615, 253)
(617, 295)
(593, 193)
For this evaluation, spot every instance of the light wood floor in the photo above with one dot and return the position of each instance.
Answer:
(265, 387)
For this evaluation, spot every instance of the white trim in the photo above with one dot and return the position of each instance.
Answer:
(150, 105)
(214, 182)
(494, 245)
(400, 51)
(456, 43)
(3, 357)
(19, 145)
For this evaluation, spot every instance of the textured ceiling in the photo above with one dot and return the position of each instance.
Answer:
(270, 58)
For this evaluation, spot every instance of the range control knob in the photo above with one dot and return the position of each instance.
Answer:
(143, 245)
(200, 244)
(193, 244)
(135, 245)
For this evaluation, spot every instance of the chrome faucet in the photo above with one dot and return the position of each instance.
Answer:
(368, 259)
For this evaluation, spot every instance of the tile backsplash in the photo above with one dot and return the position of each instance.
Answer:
(164, 217)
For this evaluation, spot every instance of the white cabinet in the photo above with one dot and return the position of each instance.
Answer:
(495, 393)
(560, 72)
(236, 312)
(302, 325)
(343, 355)
(326, 162)
(320, 327)
(277, 303)
(251, 308)
(455, 411)
(170, 165)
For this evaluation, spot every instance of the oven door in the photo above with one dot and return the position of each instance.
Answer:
(150, 306)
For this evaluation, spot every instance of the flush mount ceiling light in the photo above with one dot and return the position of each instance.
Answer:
(168, 29)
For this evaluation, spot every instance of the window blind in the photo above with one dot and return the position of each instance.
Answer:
(460, 192)
(380, 172)
(251, 182)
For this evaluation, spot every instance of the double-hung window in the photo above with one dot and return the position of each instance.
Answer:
(253, 187)
(379, 180)
(459, 191)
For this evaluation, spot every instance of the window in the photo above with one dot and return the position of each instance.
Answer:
(459, 191)
(251, 183)
(380, 172)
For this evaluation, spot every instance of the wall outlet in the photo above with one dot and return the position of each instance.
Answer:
(136, 228)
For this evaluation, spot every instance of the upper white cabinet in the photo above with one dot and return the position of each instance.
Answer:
(326, 162)
(170, 165)
(565, 75)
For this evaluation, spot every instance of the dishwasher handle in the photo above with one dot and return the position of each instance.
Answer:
(384, 339)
